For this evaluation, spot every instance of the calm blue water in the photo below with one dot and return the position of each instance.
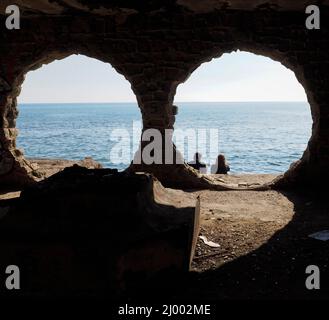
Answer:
(255, 137)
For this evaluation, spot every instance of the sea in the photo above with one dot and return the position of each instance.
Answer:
(255, 137)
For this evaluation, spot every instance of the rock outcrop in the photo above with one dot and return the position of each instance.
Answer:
(95, 232)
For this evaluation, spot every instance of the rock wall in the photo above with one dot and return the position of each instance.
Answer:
(157, 50)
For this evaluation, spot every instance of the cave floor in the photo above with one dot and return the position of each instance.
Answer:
(263, 244)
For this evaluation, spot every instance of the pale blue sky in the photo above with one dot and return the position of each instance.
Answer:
(239, 76)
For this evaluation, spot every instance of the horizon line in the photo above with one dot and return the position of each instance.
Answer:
(175, 102)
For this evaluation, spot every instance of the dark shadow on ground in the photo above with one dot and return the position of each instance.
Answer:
(276, 270)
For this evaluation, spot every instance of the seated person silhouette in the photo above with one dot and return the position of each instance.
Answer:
(221, 166)
(197, 164)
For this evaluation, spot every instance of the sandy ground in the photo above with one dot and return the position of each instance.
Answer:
(239, 221)
(243, 179)
(262, 244)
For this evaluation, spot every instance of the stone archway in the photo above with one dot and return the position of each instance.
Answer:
(158, 112)
(219, 80)
(157, 50)
(300, 172)
(17, 171)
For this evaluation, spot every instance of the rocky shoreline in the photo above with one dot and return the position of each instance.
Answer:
(48, 167)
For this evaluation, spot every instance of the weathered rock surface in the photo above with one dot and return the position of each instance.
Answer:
(156, 45)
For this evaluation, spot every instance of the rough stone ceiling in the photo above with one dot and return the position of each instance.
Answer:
(109, 7)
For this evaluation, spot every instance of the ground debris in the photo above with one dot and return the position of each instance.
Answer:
(209, 243)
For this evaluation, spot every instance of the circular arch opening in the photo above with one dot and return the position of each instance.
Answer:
(74, 108)
(255, 136)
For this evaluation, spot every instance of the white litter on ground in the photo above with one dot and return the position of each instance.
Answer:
(321, 235)
(209, 243)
